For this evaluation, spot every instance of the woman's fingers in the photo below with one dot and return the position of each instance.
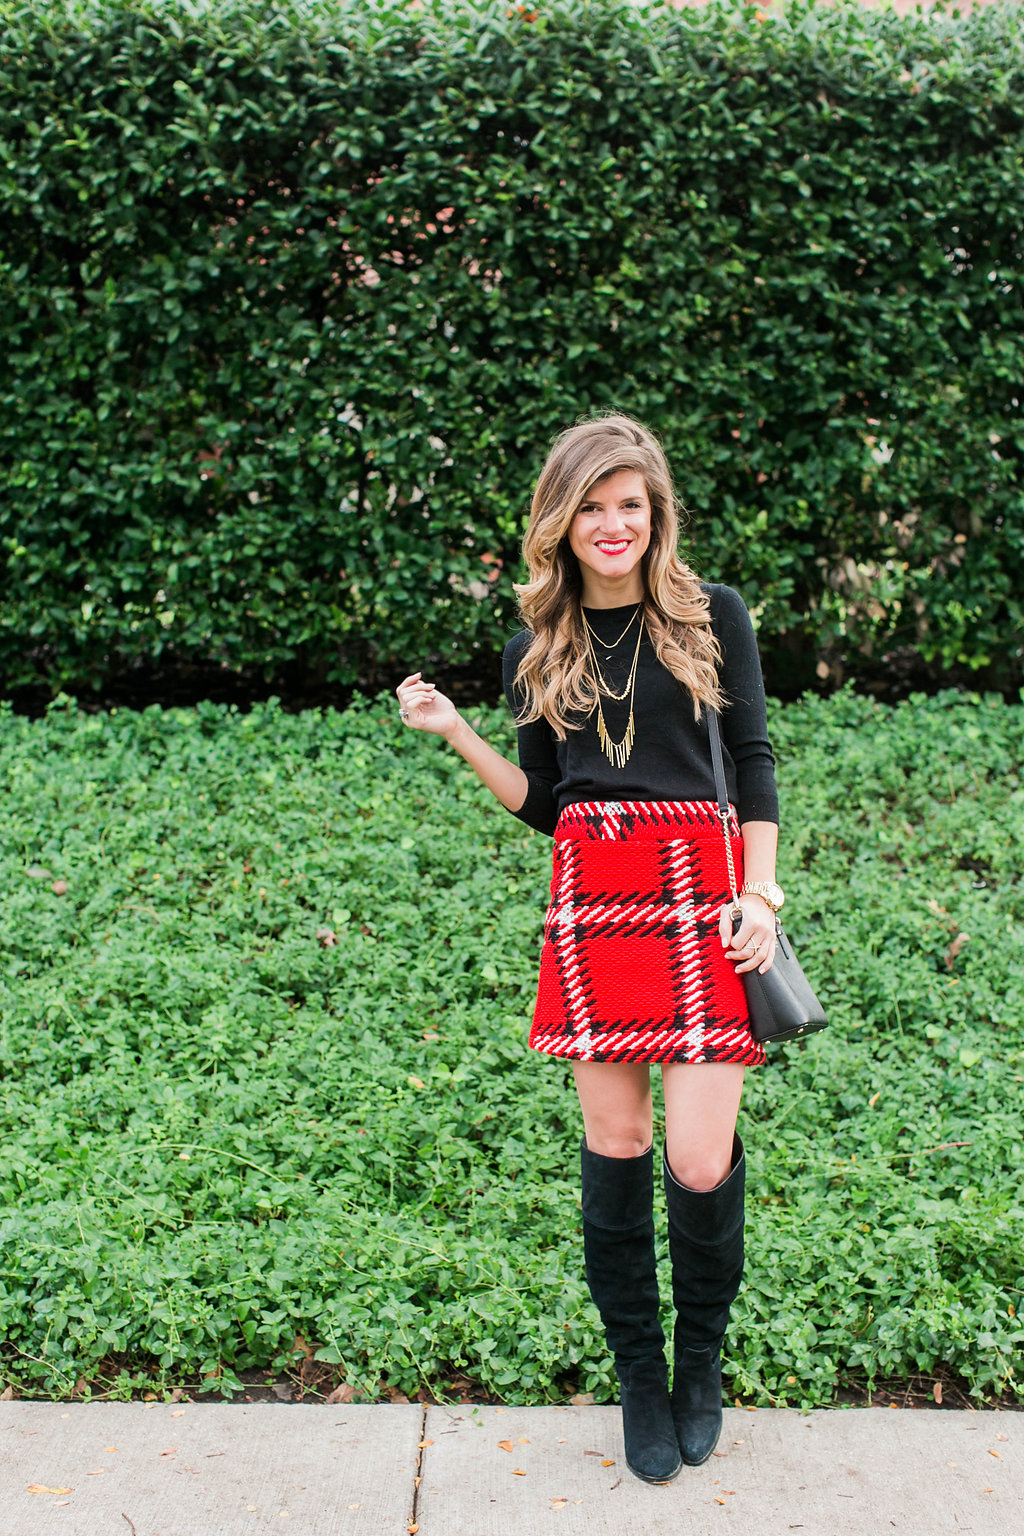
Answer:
(752, 947)
(413, 693)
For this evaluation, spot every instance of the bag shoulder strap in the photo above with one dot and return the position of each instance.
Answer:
(718, 765)
(722, 792)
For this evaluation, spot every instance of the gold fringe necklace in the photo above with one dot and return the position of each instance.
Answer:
(617, 752)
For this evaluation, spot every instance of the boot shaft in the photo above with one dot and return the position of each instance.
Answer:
(705, 1230)
(618, 1248)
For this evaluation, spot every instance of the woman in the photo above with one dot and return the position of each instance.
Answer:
(623, 655)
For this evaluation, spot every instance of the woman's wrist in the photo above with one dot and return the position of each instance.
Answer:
(458, 732)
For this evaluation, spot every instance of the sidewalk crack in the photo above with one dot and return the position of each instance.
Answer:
(414, 1521)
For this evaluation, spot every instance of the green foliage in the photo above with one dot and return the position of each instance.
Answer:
(292, 299)
(264, 1069)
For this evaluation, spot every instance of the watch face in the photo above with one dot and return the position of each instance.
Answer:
(776, 893)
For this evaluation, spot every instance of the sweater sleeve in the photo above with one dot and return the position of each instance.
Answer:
(744, 719)
(536, 743)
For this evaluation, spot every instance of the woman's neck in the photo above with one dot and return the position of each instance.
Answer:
(613, 594)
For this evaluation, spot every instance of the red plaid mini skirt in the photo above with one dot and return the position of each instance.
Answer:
(632, 967)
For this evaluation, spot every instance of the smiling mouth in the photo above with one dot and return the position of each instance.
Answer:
(608, 548)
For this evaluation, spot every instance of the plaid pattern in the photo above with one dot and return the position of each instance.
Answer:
(632, 968)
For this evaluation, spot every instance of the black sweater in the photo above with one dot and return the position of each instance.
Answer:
(671, 756)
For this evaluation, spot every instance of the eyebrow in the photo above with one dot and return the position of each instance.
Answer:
(592, 503)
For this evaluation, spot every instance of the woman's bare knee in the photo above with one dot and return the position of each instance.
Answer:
(618, 1141)
(698, 1172)
(615, 1098)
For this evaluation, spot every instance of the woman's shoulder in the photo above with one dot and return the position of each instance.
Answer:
(725, 604)
(515, 647)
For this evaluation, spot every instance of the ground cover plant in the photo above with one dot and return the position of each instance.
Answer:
(267, 1104)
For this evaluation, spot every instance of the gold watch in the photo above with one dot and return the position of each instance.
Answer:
(773, 894)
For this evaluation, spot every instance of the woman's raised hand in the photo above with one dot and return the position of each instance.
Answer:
(423, 708)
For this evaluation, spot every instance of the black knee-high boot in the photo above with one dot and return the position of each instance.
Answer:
(705, 1229)
(618, 1245)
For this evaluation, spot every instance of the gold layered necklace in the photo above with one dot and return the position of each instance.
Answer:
(617, 752)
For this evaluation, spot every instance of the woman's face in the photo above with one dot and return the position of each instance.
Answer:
(608, 535)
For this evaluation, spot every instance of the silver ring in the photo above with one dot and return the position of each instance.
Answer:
(403, 714)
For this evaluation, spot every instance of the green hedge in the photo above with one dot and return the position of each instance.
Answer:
(292, 299)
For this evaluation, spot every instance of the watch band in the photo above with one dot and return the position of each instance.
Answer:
(763, 889)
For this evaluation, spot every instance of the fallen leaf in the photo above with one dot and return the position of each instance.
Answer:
(6, 1395)
(355, 1506)
(873, 1100)
(179, 1413)
(172, 1452)
(505, 1445)
(424, 1443)
(523, 1440)
(582, 1400)
(739, 1442)
(718, 1500)
(98, 1473)
(607, 1463)
(720, 1453)
(559, 1503)
(518, 1472)
(951, 953)
(561, 1440)
(413, 1528)
(36, 872)
(110, 1447)
(995, 1454)
(59, 887)
(414, 1082)
(342, 1394)
(937, 1392)
(1002, 1437)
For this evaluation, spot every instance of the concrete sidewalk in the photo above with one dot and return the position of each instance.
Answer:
(158, 1469)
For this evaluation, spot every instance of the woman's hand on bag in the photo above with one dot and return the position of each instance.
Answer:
(753, 945)
(424, 709)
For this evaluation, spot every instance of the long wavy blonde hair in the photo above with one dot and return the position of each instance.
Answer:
(553, 675)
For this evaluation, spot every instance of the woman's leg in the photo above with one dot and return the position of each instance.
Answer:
(617, 1172)
(701, 1105)
(704, 1180)
(615, 1097)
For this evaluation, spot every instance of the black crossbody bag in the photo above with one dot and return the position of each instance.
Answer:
(782, 1002)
